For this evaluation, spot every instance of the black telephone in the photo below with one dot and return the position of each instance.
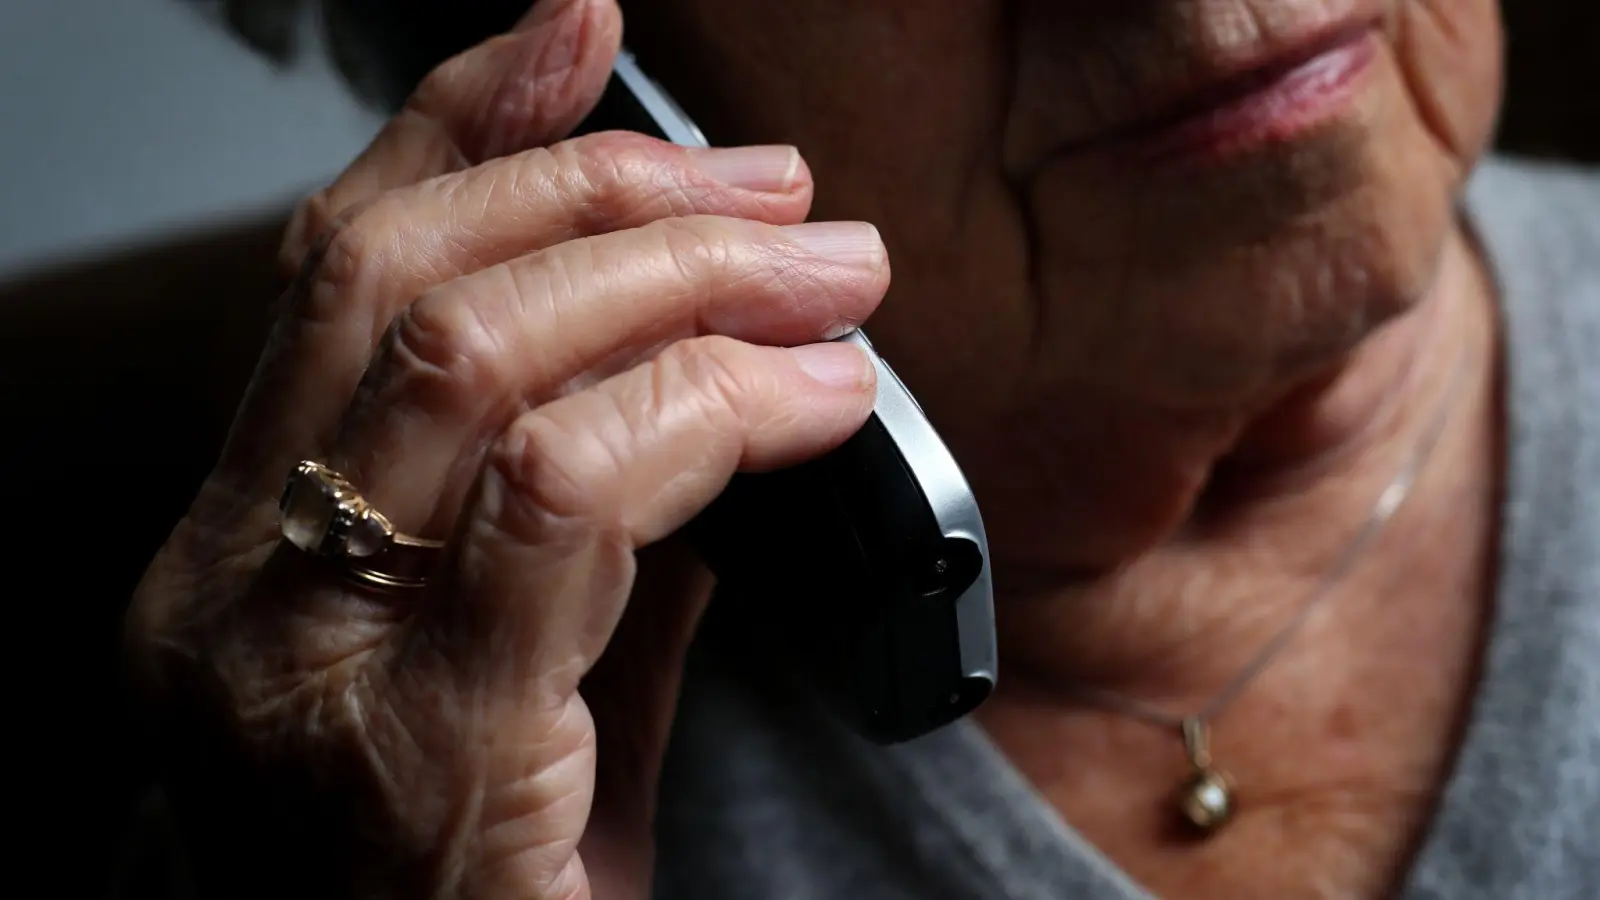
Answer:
(868, 568)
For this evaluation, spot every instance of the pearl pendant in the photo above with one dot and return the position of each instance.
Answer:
(1207, 800)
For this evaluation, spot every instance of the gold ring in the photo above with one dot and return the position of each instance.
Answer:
(324, 515)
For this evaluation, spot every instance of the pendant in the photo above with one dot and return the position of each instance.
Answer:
(1206, 799)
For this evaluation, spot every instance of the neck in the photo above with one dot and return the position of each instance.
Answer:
(1257, 510)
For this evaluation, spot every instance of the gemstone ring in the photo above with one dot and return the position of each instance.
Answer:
(324, 515)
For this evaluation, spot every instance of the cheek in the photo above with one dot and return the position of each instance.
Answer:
(1450, 55)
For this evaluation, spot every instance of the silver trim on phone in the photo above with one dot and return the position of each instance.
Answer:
(954, 507)
(671, 119)
(945, 487)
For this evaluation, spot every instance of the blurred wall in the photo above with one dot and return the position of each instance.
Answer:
(132, 119)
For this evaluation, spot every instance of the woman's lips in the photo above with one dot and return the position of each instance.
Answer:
(1271, 104)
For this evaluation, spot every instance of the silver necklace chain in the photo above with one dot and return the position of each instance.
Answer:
(1389, 502)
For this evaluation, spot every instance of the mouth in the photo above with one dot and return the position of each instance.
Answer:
(1272, 101)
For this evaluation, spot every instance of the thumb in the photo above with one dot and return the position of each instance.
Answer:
(527, 88)
(535, 84)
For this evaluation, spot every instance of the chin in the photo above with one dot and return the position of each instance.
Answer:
(1221, 280)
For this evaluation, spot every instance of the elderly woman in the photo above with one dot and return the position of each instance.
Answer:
(1282, 407)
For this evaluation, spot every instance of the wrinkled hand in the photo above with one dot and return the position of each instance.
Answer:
(550, 354)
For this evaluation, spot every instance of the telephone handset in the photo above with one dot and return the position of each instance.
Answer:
(866, 569)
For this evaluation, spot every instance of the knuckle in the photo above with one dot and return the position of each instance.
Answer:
(551, 179)
(342, 266)
(694, 247)
(712, 377)
(624, 178)
(587, 178)
(341, 256)
(312, 219)
(447, 338)
(551, 471)
(540, 172)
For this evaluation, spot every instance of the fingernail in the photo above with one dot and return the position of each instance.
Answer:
(848, 243)
(766, 169)
(838, 366)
